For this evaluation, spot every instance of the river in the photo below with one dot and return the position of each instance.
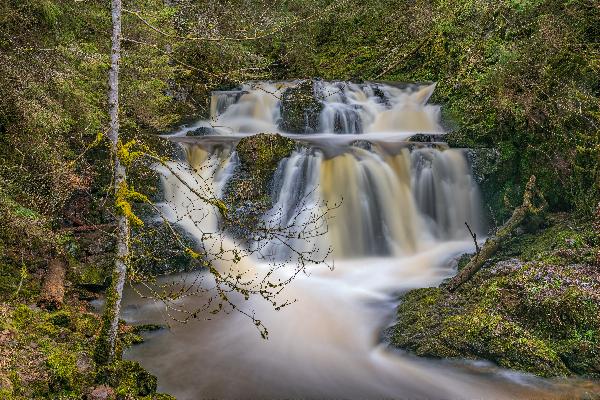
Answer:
(400, 225)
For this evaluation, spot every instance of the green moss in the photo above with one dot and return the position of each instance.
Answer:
(62, 366)
(22, 316)
(248, 193)
(49, 358)
(94, 276)
(102, 348)
(523, 84)
(557, 239)
(300, 108)
(532, 317)
(539, 314)
(61, 319)
(260, 154)
(128, 377)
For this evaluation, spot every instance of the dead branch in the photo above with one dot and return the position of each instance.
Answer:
(492, 244)
(88, 228)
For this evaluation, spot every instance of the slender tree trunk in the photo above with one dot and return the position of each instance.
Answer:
(105, 351)
(493, 244)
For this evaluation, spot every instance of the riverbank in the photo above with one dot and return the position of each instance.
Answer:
(48, 355)
(534, 307)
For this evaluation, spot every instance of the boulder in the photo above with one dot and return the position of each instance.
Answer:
(202, 131)
(102, 392)
(247, 194)
(300, 108)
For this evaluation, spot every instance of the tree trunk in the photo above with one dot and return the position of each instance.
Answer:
(53, 286)
(493, 244)
(105, 351)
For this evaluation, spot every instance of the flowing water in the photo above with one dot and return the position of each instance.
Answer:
(399, 224)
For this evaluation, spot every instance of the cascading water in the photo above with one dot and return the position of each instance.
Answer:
(401, 220)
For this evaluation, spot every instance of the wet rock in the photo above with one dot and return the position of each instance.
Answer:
(427, 138)
(300, 108)
(248, 195)
(202, 131)
(381, 95)
(484, 163)
(362, 144)
(348, 120)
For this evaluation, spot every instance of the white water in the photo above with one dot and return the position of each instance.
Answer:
(400, 224)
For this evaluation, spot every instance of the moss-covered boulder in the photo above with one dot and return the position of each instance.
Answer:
(128, 377)
(300, 108)
(156, 250)
(539, 313)
(91, 260)
(248, 193)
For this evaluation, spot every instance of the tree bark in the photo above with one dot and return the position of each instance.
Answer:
(53, 286)
(105, 351)
(492, 244)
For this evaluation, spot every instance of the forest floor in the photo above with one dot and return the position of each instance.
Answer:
(49, 353)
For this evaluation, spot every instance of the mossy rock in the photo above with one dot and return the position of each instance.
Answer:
(95, 275)
(155, 250)
(48, 352)
(248, 193)
(300, 108)
(260, 154)
(128, 378)
(61, 319)
(540, 316)
(506, 315)
(556, 240)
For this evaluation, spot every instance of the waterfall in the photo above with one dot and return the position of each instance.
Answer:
(398, 213)
(393, 200)
(348, 108)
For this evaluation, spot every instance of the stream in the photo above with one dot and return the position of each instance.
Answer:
(399, 225)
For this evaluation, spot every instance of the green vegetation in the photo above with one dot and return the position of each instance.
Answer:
(47, 355)
(521, 77)
(538, 313)
(300, 107)
(519, 82)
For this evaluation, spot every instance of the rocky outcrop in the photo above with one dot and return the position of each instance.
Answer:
(157, 251)
(248, 193)
(538, 313)
(202, 131)
(300, 108)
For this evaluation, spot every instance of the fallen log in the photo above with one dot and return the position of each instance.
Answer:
(88, 228)
(53, 285)
(493, 243)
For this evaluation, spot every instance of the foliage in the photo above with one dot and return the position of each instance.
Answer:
(46, 355)
(300, 108)
(521, 77)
